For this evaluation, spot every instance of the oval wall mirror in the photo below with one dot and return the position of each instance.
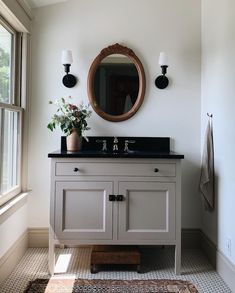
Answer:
(116, 83)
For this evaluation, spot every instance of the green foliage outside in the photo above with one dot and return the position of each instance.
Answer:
(4, 76)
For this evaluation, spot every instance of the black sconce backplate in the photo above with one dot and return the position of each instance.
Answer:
(69, 80)
(161, 82)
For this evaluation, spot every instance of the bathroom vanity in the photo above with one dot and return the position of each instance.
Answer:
(116, 197)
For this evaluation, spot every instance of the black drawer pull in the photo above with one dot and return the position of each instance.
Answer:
(156, 170)
(119, 197)
(75, 169)
(112, 197)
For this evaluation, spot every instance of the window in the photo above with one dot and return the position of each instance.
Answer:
(10, 113)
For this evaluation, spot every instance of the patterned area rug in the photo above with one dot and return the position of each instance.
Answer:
(108, 286)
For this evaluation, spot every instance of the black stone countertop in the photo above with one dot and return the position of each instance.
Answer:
(100, 154)
(144, 147)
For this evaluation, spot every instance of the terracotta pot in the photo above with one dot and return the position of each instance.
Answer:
(74, 141)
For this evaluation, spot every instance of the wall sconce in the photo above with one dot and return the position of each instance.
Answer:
(68, 80)
(162, 81)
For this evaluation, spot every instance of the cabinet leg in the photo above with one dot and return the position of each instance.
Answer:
(51, 260)
(177, 259)
(139, 271)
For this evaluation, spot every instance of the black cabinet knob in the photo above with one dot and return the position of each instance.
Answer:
(112, 197)
(75, 169)
(156, 170)
(119, 197)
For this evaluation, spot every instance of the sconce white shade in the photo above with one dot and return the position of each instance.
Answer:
(66, 57)
(163, 60)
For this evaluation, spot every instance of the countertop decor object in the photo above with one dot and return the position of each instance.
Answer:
(74, 141)
(72, 121)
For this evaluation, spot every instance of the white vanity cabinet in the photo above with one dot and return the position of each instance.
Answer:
(109, 201)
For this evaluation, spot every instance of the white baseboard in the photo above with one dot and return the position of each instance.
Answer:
(209, 249)
(12, 257)
(38, 237)
(226, 270)
(219, 261)
(190, 238)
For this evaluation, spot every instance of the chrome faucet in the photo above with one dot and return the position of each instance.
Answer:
(115, 144)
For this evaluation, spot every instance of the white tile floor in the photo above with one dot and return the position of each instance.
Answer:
(157, 263)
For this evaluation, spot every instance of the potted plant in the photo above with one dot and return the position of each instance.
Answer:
(72, 121)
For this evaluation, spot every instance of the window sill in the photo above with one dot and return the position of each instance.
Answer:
(10, 207)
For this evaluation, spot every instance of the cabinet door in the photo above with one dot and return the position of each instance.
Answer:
(83, 210)
(147, 211)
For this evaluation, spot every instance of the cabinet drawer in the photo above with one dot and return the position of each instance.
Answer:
(119, 169)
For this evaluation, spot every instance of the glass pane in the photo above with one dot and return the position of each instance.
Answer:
(6, 41)
(10, 151)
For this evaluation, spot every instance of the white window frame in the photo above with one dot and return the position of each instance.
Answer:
(15, 106)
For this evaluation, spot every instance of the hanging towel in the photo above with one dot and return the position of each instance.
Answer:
(206, 185)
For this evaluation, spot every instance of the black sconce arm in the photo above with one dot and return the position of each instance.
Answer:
(67, 67)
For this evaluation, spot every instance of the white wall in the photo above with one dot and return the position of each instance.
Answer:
(218, 88)
(148, 27)
(12, 228)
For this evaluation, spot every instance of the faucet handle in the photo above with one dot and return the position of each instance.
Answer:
(127, 141)
(104, 141)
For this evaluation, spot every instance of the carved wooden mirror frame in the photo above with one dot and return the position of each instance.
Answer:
(116, 49)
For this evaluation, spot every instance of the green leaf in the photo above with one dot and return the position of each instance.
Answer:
(50, 126)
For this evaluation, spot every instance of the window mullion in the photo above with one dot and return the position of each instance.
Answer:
(10, 141)
(18, 69)
(10, 107)
(15, 177)
(2, 113)
(13, 71)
